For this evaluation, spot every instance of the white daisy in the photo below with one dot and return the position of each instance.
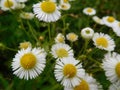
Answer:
(103, 41)
(25, 45)
(46, 11)
(60, 38)
(116, 28)
(89, 11)
(111, 66)
(98, 20)
(72, 37)
(69, 71)
(114, 86)
(64, 6)
(109, 21)
(87, 83)
(27, 15)
(20, 5)
(8, 4)
(29, 63)
(61, 50)
(87, 33)
(65, 1)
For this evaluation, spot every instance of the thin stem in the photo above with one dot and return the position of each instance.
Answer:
(85, 46)
(49, 31)
(94, 60)
(31, 30)
(11, 49)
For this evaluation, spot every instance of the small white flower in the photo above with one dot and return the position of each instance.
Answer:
(98, 20)
(69, 71)
(20, 5)
(72, 37)
(27, 15)
(87, 33)
(111, 66)
(116, 28)
(109, 21)
(103, 41)
(87, 83)
(61, 50)
(60, 38)
(46, 11)
(64, 6)
(25, 45)
(8, 4)
(29, 63)
(89, 11)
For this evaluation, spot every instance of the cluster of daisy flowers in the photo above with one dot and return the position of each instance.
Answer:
(29, 62)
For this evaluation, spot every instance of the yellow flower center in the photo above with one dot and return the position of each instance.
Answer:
(102, 42)
(119, 24)
(87, 31)
(69, 70)
(65, 1)
(8, 3)
(117, 69)
(72, 37)
(28, 61)
(48, 6)
(82, 86)
(60, 39)
(89, 10)
(61, 53)
(110, 19)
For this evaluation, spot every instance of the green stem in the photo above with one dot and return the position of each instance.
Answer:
(11, 49)
(49, 31)
(94, 60)
(85, 46)
(32, 32)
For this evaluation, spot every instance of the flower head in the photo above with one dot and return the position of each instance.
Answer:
(103, 41)
(46, 11)
(25, 45)
(29, 63)
(27, 15)
(89, 11)
(111, 66)
(116, 28)
(98, 20)
(61, 50)
(8, 4)
(87, 33)
(72, 37)
(60, 38)
(68, 71)
(64, 6)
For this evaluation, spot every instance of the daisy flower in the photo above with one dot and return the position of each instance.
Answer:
(89, 11)
(46, 11)
(114, 86)
(61, 50)
(111, 66)
(87, 33)
(8, 4)
(27, 15)
(22, 1)
(87, 83)
(116, 28)
(98, 20)
(103, 41)
(72, 37)
(20, 5)
(60, 38)
(64, 6)
(69, 71)
(25, 45)
(29, 63)
(109, 21)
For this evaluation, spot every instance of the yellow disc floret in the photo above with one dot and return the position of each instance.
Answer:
(8, 3)
(48, 6)
(61, 53)
(89, 10)
(28, 61)
(102, 42)
(69, 70)
(110, 19)
(117, 69)
(82, 86)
